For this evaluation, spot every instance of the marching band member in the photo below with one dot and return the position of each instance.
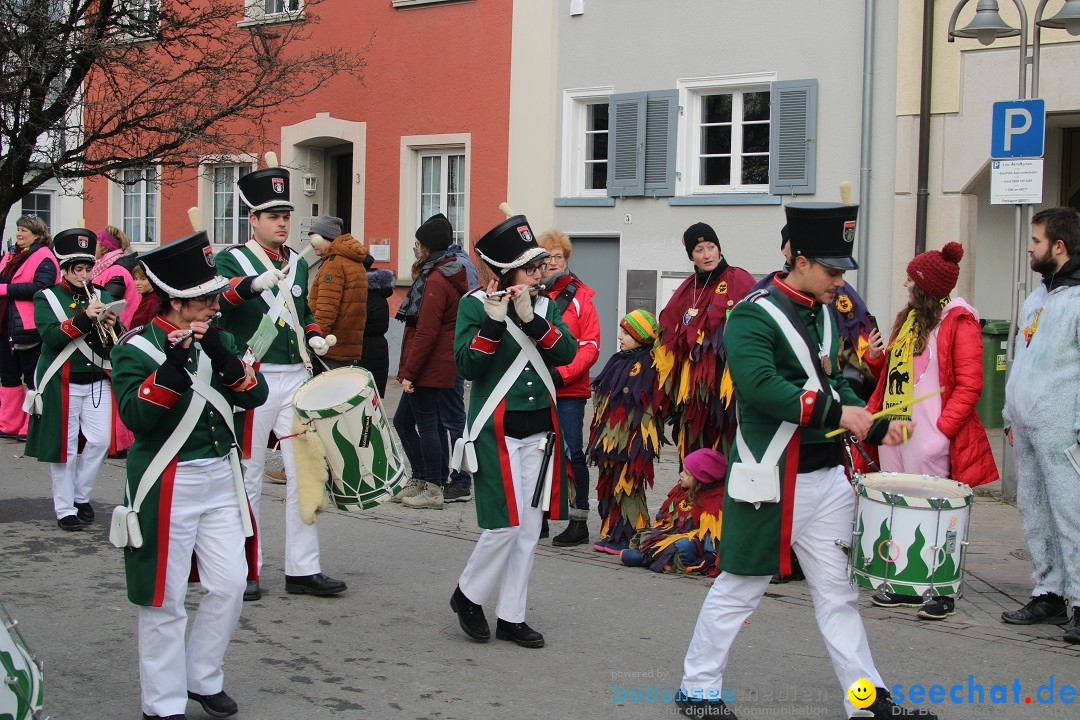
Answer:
(782, 349)
(177, 381)
(73, 393)
(507, 347)
(268, 285)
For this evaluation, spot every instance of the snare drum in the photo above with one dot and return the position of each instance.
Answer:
(21, 691)
(366, 465)
(910, 533)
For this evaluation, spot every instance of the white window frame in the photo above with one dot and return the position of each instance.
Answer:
(139, 30)
(33, 213)
(255, 11)
(691, 91)
(413, 147)
(444, 154)
(239, 220)
(150, 207)
(575, 119)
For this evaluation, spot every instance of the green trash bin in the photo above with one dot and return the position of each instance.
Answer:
(995, 335)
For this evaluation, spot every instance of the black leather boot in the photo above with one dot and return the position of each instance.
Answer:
(576, 533)
(519, 633)
(470, 616)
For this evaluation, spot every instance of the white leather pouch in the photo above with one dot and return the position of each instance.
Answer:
(124, 530)
(754, 483)
(464, 456)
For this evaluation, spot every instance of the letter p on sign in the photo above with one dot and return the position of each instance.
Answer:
(1018, 129)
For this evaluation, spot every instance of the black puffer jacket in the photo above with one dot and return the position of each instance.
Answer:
(376, 351)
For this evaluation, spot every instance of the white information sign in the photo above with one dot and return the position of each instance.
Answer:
(1016, 182)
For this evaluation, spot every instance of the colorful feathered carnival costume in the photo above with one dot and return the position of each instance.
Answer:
(684, 537)
(693, 392)
(625, 435)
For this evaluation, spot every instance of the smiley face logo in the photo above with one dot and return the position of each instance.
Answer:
(861, 694)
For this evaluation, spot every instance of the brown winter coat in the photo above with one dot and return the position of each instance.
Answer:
(338, 297)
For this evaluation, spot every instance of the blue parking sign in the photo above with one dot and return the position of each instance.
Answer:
(1018, 129)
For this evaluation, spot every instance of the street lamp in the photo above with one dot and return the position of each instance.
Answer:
(987, 26)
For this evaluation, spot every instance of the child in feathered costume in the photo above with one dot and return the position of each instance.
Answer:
(624, 436)
(684, 537)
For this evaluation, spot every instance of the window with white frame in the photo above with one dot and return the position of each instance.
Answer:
(442, 188)
(727, 129)
(139, 18)
(39, 205)
(585, 142)
(275, 7)
(230, 213)
(140, 204)
(272, 10)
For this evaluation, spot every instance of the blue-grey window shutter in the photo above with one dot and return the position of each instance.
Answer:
(792, 137)
(626, 164)
(661, 125)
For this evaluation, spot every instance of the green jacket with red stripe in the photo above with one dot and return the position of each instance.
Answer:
(241, 310)
(151, 406)
(483, 351)
(769, 389)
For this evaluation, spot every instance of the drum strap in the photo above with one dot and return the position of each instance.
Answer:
(281, 301)
(203, 393)
(464, 455)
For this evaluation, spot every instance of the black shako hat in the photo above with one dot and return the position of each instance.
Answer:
(266, 189)
(823, 232)
(184, 268)
(509, 245)
(75, 245)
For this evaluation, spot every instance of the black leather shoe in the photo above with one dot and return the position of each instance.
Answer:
(1047, 608)
(519, 633)
(85, 512)
(1072, 630)
(317, 584)
(884, 708)
(163, 717)
(704, 708)
(252, 591)
(216, 705)
(544, 531)
(470, 616)
(71, 523)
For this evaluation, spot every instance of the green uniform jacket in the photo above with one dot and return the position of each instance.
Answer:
(46, 438)
(769, 381)
(153, 411)
(483, 351)
(241, 317)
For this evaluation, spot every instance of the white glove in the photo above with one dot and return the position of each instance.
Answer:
(495, 307)
(319, 345)
(523, 306)
(331, 341)
(267, 280)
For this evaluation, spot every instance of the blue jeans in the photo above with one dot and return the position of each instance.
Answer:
(571, 422)
(452, 421)
(417, 423)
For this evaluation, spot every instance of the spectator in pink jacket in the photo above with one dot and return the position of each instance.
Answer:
(575, 301)
(113, 276)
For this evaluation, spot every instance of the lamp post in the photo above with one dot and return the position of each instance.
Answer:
(987, 26)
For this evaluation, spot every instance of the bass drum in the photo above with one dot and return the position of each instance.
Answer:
(21, 693)
(366, 465)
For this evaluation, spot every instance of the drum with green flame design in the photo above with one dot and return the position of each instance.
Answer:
(366, 465)
(910, 533)
(21, 691)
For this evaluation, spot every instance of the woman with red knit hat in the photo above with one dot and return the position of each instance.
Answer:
(936, 344)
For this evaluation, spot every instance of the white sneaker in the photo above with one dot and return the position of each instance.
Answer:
(414, 487)
(430, 497)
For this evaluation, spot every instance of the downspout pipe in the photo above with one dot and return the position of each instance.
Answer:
(923, 196)
(862, 251)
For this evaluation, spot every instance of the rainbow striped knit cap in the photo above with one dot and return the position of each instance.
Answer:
(641, 325)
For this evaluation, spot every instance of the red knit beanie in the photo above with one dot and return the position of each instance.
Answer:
(936, 271)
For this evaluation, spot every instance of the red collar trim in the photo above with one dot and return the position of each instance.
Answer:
(796, 295)
(164, 324)
(270, 253)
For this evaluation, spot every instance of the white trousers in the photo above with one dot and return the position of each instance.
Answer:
(823, 513)
(73, 481)
(301, 540)
(506, 554)
(205, 519)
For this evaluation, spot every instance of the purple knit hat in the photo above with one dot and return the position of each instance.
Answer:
(706, 465)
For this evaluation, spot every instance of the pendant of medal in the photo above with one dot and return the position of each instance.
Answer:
(689, 315)
(826, 364)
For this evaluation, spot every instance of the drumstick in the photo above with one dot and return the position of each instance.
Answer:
(881, 413)
(194, 216)
(506, 209)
